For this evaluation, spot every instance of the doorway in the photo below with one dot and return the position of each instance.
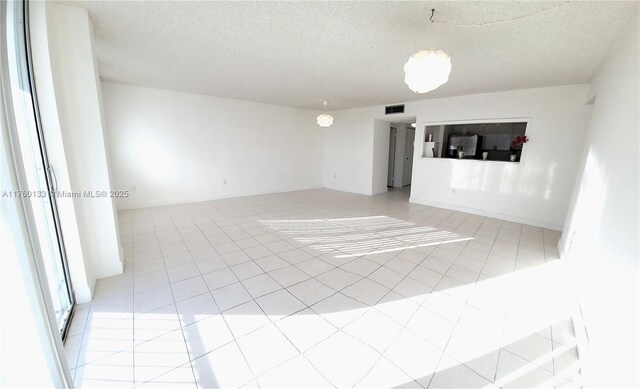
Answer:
(392, 156)
(401, 147)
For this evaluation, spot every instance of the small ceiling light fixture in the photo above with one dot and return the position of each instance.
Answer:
(413, 125)
(428, 69)
(325, 120)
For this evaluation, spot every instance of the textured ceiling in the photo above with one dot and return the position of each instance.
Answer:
(350, 53)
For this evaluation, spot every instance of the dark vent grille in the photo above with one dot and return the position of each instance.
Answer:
(394, 109)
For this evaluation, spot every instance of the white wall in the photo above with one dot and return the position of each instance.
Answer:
(348, 151)
(64, 58)
(381, 133)
(81, 268)
(172, 147)
(536, 191)
(601, 234)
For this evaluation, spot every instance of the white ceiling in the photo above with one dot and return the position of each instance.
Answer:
(350, 53)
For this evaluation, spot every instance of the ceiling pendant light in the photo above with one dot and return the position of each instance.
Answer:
(427, 70)
(324, 120)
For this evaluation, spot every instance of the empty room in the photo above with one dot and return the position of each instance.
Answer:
(320, 194)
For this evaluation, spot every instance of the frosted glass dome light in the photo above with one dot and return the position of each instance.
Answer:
(324, 120)
(427, 70)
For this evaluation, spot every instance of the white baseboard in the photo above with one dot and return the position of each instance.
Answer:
(577, 317)
(562, 246)
(197, 199)
(482, 212)
(337, 189)
(582, 336)
(83, 295)
(111, 269)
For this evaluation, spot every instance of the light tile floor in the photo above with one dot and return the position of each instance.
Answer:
(321, 288)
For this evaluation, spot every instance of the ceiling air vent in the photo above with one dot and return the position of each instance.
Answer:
(391, 109)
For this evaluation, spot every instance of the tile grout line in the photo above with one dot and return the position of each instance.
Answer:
(238, 218)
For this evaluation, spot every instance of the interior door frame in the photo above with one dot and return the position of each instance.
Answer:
(26, 82)
(409, 150)
(393, 131)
